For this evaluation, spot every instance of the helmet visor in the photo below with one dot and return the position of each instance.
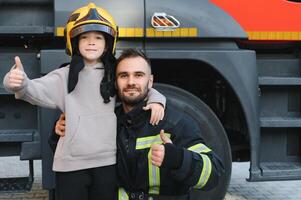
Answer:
(92, 27)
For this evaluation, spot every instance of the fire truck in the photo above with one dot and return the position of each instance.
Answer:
(233, 66)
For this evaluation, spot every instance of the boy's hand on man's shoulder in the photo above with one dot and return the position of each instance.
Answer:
(157, 112)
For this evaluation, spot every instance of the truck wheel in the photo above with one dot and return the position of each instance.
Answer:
(213, 134)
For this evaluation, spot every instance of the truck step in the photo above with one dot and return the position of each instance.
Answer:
(15, 184)
(18, 183)
(26, 29)
(281, 81)
(16, 135)
(276, 171)
(278, 122)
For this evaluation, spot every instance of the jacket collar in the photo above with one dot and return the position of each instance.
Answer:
(136, 116)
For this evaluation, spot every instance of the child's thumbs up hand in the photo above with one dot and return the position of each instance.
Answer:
(18, 64)
(16, 75)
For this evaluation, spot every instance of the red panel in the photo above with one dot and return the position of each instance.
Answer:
(264, 15)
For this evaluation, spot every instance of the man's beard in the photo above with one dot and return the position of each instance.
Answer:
(132, 101)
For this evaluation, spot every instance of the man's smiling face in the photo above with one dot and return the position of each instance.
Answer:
(133, 80)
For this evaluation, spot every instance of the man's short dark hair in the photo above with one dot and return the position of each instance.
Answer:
(132, 53)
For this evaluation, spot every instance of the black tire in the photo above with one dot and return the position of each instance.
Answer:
(213, 134)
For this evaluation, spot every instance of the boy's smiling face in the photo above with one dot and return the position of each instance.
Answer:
(91, 46)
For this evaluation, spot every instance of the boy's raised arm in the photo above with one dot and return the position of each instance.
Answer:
(46, 91)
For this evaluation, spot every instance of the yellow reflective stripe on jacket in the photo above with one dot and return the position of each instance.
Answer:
(207, 165)
(153, 176)
(199, 148)
(122, 195)
(146, 142)
(206, 171)
(153, 171)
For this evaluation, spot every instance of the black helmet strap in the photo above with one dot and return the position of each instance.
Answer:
(107, 84)
(76, 65)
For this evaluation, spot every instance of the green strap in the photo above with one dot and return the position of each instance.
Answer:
(122, 195)
(206, 171)
(153, 171)
(207, 165)
(146, 142)
(199, 148)
(153, 176)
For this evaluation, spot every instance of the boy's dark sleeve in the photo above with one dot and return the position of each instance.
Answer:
(190, 161)
(53, 138)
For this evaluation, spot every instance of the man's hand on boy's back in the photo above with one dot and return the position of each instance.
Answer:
(60, 126)
(16, 75)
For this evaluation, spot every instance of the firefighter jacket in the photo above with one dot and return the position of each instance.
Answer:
(188, 162)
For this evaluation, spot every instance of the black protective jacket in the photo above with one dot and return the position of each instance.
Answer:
(188, 162)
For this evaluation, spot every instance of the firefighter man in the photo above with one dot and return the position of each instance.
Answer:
(152, 163)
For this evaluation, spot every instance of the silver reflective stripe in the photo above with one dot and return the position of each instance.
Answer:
(146, 142)
(153, 176)
(199, 148)
(122, 195)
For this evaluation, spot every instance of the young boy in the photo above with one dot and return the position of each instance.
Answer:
(85, 157)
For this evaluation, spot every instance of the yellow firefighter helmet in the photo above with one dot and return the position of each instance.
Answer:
(90, 18)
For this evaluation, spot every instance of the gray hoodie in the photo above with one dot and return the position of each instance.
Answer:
(90, 139)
